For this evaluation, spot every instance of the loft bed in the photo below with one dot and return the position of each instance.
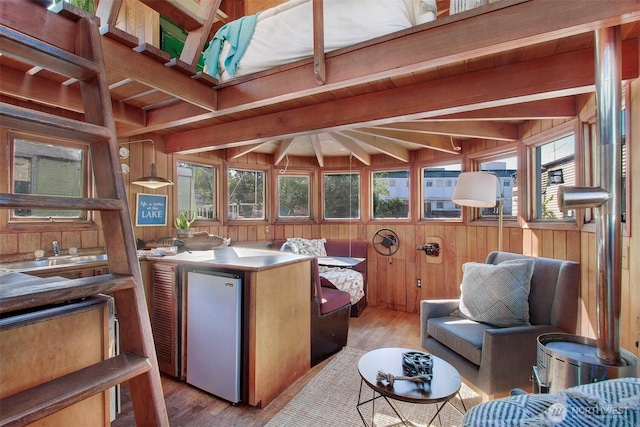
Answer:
(284, 33)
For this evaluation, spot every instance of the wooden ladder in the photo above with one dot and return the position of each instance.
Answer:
(137, 362)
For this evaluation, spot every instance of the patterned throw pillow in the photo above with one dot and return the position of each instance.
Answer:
(313, 247)
(497, 294)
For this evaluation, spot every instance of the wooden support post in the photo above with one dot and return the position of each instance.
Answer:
(318, 42)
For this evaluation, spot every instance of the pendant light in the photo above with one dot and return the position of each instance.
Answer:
(152, 180)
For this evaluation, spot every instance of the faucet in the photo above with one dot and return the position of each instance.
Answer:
(56, 248)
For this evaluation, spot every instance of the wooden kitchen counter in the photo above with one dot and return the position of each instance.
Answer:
(277, 314)
(235, 258)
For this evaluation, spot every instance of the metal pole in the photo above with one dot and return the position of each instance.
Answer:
(608, 228)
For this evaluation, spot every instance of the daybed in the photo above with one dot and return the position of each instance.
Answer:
(613, 402)
(284, 34)
(513, 299)
(352, 280)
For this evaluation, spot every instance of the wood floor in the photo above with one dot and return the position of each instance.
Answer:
(189, 406)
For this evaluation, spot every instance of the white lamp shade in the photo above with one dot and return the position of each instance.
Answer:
(153, 180)
(476, 189)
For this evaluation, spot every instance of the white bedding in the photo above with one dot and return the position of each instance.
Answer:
(284, 34)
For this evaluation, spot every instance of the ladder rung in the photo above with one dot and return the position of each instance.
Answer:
(176, 13)
(53, 290)
(35, 52)
(42, 400)
(27, 119)
(30, 201)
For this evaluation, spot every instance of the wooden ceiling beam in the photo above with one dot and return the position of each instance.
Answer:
(556, 108)
(354, 148)
(434, 142)
(382, 144)
(461, 129)
(283, 148)
(574, 73)
(317, 149)
(410, 52)
(21, 85)
(156, 75)
(239, 151)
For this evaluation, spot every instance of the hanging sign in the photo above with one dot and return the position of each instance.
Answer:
(152, 210)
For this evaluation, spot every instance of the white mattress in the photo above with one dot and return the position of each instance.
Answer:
(284, 34)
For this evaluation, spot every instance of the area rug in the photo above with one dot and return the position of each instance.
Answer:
(330, 399)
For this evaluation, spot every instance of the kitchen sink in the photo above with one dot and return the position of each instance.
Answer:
(51, 262)
(79, 259)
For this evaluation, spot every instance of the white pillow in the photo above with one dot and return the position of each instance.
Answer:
(497, 294)
(313, 247)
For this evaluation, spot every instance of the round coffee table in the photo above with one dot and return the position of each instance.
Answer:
(443, 386)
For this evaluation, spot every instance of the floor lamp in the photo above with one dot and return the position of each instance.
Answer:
(479, 190)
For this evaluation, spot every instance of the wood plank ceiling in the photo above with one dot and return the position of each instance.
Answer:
(475, 74)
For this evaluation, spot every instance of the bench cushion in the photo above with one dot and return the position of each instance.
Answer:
(333, 299)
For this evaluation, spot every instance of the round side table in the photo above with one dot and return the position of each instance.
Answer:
(444, 385)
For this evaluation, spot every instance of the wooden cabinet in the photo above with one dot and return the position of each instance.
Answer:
(278, 315)
(47, 343)
(145, 271)
(73, 271)
(276, 331)
(165, 316)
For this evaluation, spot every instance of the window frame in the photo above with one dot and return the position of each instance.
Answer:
(421, 186)
(410, 188)
(266, 209)
(201, 221)
(280, 172)
(529, 145)
(9, 221)
(497, 156)
(626, 107)
(358, 173)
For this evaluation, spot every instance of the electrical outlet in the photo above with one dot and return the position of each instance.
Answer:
(419, 283)
(267, 229)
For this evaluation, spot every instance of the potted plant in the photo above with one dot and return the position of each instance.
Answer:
(183, 224)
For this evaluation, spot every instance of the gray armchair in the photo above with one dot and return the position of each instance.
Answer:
(496, 360)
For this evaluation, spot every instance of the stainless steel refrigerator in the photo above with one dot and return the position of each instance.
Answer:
(214, 329)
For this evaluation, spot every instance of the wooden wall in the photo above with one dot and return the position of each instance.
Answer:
(392, 280)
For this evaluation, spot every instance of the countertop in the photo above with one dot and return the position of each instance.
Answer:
(234, 258)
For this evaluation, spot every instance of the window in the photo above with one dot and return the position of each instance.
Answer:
(390, 194)
(196, 189)
(436, 199)
(293, 196)
(341, 196)
(554, 165)
(623, 142)
(506, 168)
(246, 190)
(49, 168)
